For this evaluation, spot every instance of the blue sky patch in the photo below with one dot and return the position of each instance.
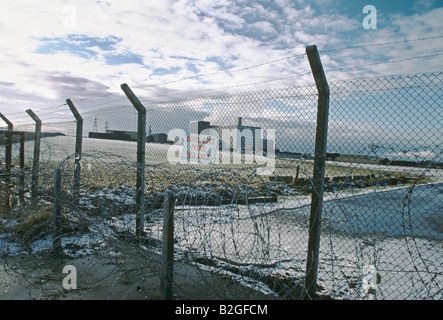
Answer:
(116, 59)
(80, 45)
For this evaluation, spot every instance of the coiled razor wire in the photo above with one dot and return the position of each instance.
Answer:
(239, 234)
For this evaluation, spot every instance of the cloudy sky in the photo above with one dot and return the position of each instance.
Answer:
(84, 50)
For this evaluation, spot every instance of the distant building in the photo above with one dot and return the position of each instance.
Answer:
(158, 138)
(238, 137)
(287, 154)
(197, 127)
(128, 136)
(114, 135)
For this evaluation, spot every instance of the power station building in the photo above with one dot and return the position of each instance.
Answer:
(247, 139)
(128, 136)
(114, 135)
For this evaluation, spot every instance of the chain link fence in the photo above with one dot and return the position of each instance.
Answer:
(240, 167)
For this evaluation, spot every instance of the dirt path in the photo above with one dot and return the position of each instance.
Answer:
(100, 277)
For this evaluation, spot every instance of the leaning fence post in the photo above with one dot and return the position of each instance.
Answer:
(22, 168)
(319, 171)
(8, 155)
(8, 141)
(167, 276)
(56, 238)
(78, 150)
(141, 138)
(36, 162)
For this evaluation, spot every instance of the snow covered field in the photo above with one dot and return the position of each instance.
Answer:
(271, 239)
(382, 243)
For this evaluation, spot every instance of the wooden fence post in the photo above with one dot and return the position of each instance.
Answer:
(141, 140)
(78, 150)
(319, 171)
(36, 162)
(167, 276)
(8, 155)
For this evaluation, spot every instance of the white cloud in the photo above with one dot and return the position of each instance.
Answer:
(422, 5)
(265, 27)
(172, 35)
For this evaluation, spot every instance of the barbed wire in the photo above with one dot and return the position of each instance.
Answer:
(369, 45)
(287, 58)
(26, 120)
(223, 72)
(386, 62)
(239, 234)
(258, 66)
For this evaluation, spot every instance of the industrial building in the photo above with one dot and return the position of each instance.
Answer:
(128, 136)
(114, 135)
(239, 137)
(158, 138)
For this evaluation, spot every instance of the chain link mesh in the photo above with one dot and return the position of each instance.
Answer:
(241, 232)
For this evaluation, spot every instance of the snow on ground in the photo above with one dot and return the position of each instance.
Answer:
(271, 238)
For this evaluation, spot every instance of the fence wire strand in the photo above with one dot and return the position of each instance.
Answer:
(239, 233)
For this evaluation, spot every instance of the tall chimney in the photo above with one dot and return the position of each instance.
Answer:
(239, 121)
